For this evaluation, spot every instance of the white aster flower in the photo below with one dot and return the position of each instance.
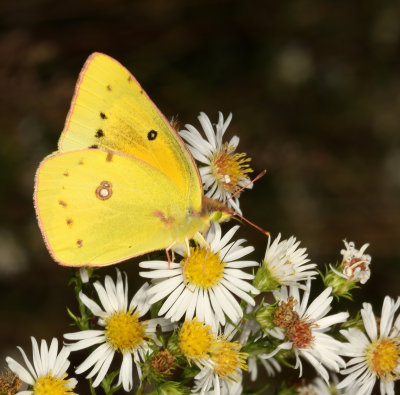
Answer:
(204, 282)
(208, 383)
(224, 171)
(222, 372)
(302, 329)
(123, 331)
(284, 264)
(375, 354)
(355, 264)
(49, 371)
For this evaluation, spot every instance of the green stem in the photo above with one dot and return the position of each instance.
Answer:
(140, 389)
(92, 390)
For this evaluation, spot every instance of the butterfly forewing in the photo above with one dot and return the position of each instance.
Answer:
(110, 110)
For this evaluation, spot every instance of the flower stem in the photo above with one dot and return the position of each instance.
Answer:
(140, 389)
(92, 390)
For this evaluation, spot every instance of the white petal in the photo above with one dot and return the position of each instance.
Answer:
(200, 305)
(170, 300)
(98, 354)
(84, 334)
(241, 294)
(160, 288)
(159, 265)
(369, 321)
(85, 343)
(233, 256)
(332, 320)
(91, 305)
(180, 306)
(104, 368)
(44, 355)
(162, 273)
(125, 374)
(19, 370)
(208, 129)
(61, 363)
(52, 355)
(192, 306)
(104, 299)
(216, 307)
(37, 362)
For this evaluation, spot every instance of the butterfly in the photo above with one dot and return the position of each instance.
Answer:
(122, 182)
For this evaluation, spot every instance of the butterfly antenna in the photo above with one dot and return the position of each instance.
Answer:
(244, 187)
(236, 214)
(251, 223)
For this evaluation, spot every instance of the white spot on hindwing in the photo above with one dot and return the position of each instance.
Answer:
(104, 190)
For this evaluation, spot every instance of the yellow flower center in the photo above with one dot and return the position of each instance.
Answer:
(50, 384)
(383, 356)
(125, 332)
(203, 267)
(195, 339)
(229, 168)
(228, 359)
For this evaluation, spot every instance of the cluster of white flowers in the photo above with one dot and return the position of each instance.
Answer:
(208, 310)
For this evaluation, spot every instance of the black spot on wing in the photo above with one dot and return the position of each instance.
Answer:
(103, 116)
(152, 135)
(94, 146)
(99, 133)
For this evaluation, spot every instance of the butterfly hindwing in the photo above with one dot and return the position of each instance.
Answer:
(98, 207)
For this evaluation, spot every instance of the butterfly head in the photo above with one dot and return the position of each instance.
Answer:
(215, 210)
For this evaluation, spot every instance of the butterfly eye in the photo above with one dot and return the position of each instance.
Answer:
(152, 135)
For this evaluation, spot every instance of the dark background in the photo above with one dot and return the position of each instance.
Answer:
(314, 88)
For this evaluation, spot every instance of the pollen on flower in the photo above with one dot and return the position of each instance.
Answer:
(300, 334)
(163, 362)
(125, 332)
(298, 331)
(230, 168)
(195, 339)
(203, 267)
(383, 356)
(228, 359)
(52, 385)
(10, 383)
(285, 316)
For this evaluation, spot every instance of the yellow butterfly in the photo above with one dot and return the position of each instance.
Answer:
(122, 182)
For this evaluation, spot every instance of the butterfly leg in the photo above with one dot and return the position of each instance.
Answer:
(187, 247)
(167, 250)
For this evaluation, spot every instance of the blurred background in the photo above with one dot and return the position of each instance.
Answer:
(314, 88)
